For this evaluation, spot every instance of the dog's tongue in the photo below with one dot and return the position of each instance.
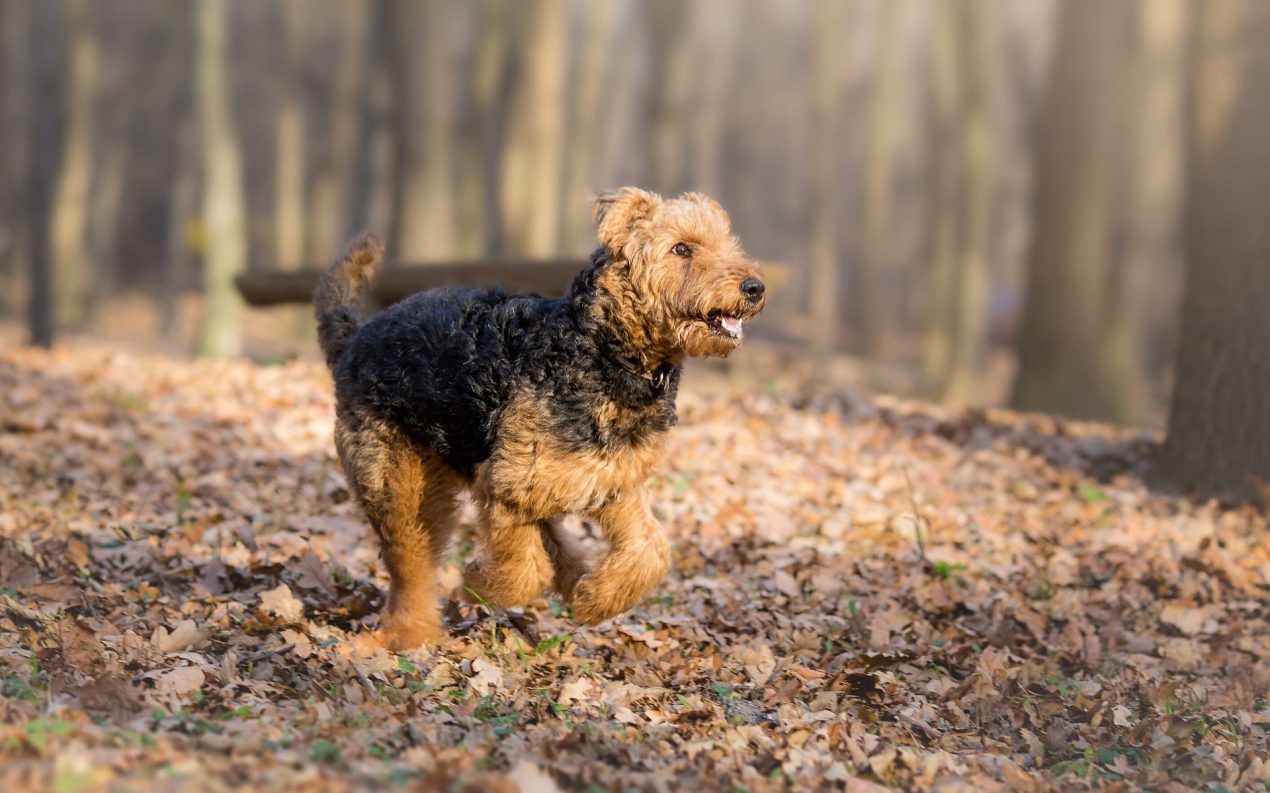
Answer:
(732, 325)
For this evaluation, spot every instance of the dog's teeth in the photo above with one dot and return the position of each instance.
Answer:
(732, 325)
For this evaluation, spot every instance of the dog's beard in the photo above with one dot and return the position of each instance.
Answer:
(714, 337)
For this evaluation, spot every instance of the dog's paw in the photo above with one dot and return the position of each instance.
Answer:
(399, 633)
(593, 603)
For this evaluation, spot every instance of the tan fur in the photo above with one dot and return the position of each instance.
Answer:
(411, 500)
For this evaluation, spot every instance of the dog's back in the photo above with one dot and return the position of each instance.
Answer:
(440, 364)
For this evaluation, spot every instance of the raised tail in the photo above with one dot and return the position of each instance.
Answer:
(336, 300)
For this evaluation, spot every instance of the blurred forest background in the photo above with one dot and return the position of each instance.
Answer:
(978, 201)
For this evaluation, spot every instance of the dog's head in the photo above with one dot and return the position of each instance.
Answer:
(679, 282)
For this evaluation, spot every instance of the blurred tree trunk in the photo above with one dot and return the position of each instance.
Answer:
(224, 219)
(333, 174)
(45, 72)
(16, 76)
(375, 173)
(289, 140)
(1061, 349)
(481, 226)
(871, 305)
(74, 179)
(1218, 441)
(105, 211)
(422, 225)
(944, 87)
(712, 77)
(533, 159)
(587, 98)
(976, 47)
(828, 80)
(182, 208)
(667, 90)
(1149, 193)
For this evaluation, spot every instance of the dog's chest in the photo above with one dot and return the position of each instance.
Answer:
(546, 475)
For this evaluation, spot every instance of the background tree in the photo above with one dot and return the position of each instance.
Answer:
(826, 199)
(290, 137)
(968, 321)
(225, 254)
(870, 305)
(1148, 191)
(333, 171)
(1061, 348)
(1219, 427)
(44, 132)
(69, 229)
(423, 125)
(533, 159)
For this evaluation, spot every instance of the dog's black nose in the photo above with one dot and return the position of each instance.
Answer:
(753, 289)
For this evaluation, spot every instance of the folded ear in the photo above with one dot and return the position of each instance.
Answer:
(617, 213)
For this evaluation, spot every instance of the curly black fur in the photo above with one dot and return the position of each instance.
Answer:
(441, 365)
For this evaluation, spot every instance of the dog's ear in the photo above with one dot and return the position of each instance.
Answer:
(618, 212)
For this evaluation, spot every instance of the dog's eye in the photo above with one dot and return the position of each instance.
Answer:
(681, 249)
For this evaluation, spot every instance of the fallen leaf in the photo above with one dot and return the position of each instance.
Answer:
(185, 635)
(282, 604)
(574, 691)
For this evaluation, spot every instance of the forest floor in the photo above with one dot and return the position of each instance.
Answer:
(867, 594)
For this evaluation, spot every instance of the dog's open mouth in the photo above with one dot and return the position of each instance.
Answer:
(725, 325)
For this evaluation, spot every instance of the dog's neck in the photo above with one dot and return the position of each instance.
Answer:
(625, 349)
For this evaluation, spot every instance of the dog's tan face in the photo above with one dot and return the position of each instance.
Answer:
(680, 279)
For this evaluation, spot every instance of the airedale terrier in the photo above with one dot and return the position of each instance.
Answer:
(539, 406)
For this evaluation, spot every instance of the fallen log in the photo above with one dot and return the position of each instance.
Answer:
(397, 282)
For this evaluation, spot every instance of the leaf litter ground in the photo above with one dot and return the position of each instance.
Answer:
(867, 594)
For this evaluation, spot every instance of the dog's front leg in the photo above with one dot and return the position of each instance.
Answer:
(515, 568)
(638, 559)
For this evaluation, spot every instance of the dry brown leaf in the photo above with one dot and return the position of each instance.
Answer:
(185, 635)
(282, 604)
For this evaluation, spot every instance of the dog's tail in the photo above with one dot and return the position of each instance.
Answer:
(336, 300)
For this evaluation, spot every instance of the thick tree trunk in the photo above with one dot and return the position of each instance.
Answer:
(533, 160)
(1061, 348)
(223, 212)
(828, 81)
(329, 223)
(422, 225)
(1219, 426)
(74, 179)
(1149, 199)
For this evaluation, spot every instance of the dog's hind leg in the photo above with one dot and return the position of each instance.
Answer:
(410, 497)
